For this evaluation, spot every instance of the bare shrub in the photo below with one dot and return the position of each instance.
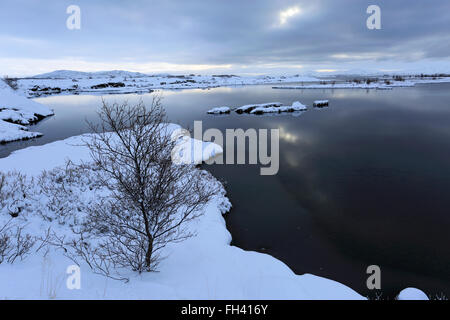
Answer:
(63, 187)
(14, 244)
(13, 192)
(151, 199)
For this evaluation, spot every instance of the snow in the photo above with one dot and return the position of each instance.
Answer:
(18, 116)
(219, 110)
(12, 100)
(16, 111)
(433, 80)
(202, 267)
(295, 107)
(412, 294)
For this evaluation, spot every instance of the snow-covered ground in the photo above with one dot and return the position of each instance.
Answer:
(17, 111)
(202, 267)
(381, 84)
(109, 82)
(73, 82)
(373, 85)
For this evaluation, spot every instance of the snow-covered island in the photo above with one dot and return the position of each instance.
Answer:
(16, 111)
(295, 107)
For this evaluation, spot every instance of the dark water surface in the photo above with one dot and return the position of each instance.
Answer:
(364, 181)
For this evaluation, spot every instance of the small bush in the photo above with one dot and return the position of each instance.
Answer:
(14, 244)
(14, 191)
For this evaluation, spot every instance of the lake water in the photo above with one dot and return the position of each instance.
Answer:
(365, 181)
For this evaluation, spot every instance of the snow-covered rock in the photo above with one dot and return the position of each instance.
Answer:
(321, 103)
(219, 110)
(249, 107)
(412, 294)
(295, 107)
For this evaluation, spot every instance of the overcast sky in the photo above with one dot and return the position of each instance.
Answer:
(224, 36)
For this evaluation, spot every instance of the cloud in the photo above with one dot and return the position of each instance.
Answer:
(236, 36)
(326, 70)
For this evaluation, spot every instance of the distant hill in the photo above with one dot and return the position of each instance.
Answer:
(65, 74)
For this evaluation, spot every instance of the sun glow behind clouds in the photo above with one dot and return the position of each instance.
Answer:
(326, 70)
(287, 14)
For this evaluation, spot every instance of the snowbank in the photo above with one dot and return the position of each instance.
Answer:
(412, 294)
(57, 153)
(13, 132)
(12, 100)
(202, 267)
(16, 111)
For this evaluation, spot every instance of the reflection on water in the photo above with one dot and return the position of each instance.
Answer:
(365, 181)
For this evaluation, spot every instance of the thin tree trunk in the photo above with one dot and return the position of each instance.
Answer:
(148, 254)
